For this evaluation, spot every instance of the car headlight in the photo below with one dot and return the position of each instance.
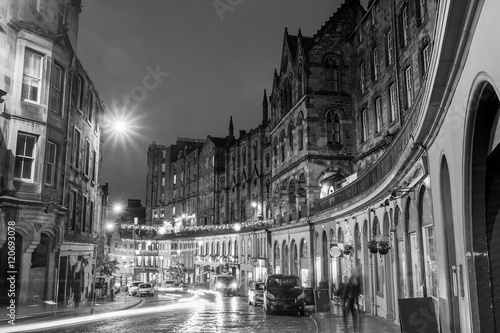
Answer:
(234, 285)
(218, 285)
(270, 296)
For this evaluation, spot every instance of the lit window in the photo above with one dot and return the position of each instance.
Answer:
(25, 156)
(50, 164)
(378, 115)
(32, 76)
(430, 261)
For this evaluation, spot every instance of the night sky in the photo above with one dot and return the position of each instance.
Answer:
(207, 66)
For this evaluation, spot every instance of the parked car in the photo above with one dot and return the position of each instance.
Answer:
(226, 284)
(132, 288)
(283, 293)
(256, 293)
(145, 289)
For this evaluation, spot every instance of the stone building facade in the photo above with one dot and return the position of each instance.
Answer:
(384, 162)
(50, 155)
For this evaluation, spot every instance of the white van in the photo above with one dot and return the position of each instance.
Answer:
(132, 287)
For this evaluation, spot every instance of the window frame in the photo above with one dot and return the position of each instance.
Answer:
(389, 38)
(405, 25)
(83, 221)
(24, 157)
(362, 77)
(76, 157)
(376, 63)
(50, 164)
(378, 114)
(59, 91)
(393, 106)
(331, 74)
(79, 92)
(87, 158)
(409, 86)
(73, 208)
(364, 125)
(31, 69)
(426, 59)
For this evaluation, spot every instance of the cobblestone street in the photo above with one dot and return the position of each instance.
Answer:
(227, 314)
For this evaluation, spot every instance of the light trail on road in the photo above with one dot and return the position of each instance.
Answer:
(191, 303)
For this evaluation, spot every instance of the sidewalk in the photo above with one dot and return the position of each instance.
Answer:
(364, 322)
(23, 312)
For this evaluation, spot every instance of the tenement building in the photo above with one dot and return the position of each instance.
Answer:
(376, 155)
(50, 156)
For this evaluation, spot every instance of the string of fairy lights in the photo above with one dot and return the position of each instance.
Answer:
(163, 229)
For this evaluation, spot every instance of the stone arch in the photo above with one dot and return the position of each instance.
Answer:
(482, 225)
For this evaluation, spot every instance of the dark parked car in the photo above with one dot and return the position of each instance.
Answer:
(283, 293)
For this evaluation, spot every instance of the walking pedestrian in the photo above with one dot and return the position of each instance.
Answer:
(351, 294)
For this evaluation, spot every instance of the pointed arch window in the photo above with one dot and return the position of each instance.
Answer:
(244, 156)
(283, 146)
(290, 135)
(255, 151)
(300, 132)
(332, 74)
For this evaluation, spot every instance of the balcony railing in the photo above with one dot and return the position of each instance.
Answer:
(368, 181)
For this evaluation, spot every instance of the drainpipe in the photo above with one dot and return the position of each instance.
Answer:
(68, 110)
